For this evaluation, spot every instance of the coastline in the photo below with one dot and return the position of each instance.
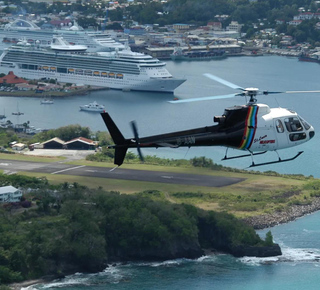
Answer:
(258, 223)
(24, 284)
(292, 213)
(51, 94)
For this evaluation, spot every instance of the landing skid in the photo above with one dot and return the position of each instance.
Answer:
(240, 156)
(259, 153)
(276, 161)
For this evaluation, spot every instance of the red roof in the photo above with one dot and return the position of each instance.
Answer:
(11, 78)
(81, 139)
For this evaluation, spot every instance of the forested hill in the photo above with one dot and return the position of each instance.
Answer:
(202, 11)
(71, 228)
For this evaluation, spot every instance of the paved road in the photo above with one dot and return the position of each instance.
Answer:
(14, 166)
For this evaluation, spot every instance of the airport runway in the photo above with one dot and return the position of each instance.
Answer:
(14, 166)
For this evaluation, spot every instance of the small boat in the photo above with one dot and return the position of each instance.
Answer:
(93, 107)
(17, 113)
(47, 101)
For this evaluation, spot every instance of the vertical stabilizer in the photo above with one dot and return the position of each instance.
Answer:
(121, 146)
(114, 131)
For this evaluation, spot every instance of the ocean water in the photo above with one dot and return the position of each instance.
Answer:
(298, 267)
(154, 114)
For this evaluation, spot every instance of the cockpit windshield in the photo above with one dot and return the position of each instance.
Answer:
(305, 124)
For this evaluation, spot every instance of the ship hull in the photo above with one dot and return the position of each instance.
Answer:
(308, 59)
(127, 83)
(190, 58)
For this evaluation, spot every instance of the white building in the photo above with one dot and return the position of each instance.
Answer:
(234, 26)
(10, 194)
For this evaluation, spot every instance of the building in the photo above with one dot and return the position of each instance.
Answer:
(215, 25)
(18, 146)
(180, 27)
(54, 143)
(295, 22)
(234, 26)
(10, 194)
(80, 143)
(11, 78)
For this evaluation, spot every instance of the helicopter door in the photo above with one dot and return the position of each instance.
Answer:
(281, 137)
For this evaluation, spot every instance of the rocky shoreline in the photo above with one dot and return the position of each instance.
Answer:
(276, 218)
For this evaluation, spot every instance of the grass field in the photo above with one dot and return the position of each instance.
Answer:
(257, 194)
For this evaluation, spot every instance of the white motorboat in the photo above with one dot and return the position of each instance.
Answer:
(93, 107)
(46, 102)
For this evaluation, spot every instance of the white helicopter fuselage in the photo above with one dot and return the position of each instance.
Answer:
(275, 128)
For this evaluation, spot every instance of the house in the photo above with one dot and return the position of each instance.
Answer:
(295, 22)
(215, 25)
(10, 194)
(11, 78)
(18, 146)
(81, 143)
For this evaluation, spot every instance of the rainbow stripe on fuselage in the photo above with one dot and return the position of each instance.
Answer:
(250, 127)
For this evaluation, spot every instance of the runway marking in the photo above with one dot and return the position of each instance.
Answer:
(168, 177)
(63, 170)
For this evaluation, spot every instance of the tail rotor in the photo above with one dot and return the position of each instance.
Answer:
(136, 137)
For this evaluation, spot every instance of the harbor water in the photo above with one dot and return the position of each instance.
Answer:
(154, 114)
(298, 267)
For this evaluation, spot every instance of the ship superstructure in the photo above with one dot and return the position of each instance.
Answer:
(19, 29)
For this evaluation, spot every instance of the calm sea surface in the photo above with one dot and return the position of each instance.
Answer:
(298, 268)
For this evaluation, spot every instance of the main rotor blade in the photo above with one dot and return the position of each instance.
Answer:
(222, 81)
(299, 92)
(202, 99)
(289, 92)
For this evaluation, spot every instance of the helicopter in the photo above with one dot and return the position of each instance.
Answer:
(255, 128)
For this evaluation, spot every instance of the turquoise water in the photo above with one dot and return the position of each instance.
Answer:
(298, 267)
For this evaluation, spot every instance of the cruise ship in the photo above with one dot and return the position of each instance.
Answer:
(119, 69)
(13, 32)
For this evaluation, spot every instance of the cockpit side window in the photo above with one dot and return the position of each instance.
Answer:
(293, 124)
(279, 126)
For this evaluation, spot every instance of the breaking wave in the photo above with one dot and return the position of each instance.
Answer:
(289, 255)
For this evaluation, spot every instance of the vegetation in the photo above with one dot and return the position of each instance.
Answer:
(65, 133)
(72, 228)
(254, 15)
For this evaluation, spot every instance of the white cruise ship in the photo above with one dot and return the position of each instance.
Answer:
(19, 29)
(123, 69)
